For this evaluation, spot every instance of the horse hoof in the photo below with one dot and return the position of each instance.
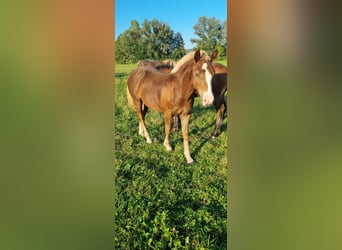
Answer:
(191, 161)
(214, 135)
(149, 141)
(168, 148)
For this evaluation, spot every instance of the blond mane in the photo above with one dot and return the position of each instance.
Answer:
(188, 57)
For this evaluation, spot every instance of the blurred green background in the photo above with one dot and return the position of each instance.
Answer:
(56, 125)
(285, 119)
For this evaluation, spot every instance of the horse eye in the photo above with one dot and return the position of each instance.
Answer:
(197, 75)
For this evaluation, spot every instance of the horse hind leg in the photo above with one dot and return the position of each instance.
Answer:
(141, 111)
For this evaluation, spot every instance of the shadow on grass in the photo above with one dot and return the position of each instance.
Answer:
(202, 134)
(119, 75)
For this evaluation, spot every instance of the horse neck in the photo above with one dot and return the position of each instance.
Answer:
(182, 61)
(188, 57)
(184, 74)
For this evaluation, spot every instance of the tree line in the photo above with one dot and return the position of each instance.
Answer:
(156, 40)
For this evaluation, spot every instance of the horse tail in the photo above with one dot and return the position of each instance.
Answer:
(129, 98)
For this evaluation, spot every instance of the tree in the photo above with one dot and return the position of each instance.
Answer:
(128, 45)
(153, 40)
(177, 49)
(211, 35)
(222, 48)
(157, 37)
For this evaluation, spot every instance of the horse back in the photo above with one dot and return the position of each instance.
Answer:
(219, 80)
(219, 68)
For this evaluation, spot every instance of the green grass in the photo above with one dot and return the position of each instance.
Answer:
(160, 201)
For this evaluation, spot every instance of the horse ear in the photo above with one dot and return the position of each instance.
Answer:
(197, 56)
(213, 55)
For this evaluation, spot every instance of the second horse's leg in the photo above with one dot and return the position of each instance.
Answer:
(220, 108)
(175, 119)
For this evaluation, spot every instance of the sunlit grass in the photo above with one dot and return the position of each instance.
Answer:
(160, 200)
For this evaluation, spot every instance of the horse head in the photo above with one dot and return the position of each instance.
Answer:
(203, 71)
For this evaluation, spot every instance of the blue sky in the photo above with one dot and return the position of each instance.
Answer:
(181, 15)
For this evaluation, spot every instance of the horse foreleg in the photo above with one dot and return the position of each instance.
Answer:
(185, 128)
(220, 108)
(167, 123)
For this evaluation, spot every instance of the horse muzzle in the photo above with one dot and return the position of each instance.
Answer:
(207, 98)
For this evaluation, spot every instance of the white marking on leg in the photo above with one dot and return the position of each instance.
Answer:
(147, 136)
(141, 130)
(189, 160)
(167, 146)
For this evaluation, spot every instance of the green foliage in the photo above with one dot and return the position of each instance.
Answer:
(127, 48)
(160, 201)
(221, 52)
(178, 53)
(212, 34)
(156, 40)
(153, 40)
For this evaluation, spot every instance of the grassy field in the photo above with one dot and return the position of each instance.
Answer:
(160, 201)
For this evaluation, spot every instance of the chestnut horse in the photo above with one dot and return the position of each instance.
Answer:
(172, 94)
(218, 82)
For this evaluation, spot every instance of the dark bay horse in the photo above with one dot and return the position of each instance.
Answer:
(172, 94)
(155, 63)
(219, 86)
(164, 66)
(218, 82)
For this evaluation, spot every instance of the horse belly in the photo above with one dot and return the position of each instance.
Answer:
(151, 98)
(183, 107)
(152, 105)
